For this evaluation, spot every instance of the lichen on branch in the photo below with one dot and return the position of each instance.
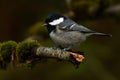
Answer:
(73, 57)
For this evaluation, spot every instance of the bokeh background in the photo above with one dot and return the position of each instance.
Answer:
(23, 19)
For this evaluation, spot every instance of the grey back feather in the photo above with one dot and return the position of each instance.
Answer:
(70, 25)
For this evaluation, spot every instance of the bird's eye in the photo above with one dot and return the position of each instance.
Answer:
(57, 21)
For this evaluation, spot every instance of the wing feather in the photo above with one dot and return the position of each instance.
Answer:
(69, 25)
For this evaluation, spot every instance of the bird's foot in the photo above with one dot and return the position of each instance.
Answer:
(68, 48)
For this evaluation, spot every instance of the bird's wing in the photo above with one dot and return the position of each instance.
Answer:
(69, 25)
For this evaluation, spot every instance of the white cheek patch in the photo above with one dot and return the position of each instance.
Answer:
(57, 21)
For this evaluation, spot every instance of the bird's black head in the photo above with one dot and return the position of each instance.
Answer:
(52, 20)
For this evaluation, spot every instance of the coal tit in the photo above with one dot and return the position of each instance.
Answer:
(65, 32)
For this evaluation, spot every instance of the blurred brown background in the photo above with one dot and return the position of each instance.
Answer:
(20, 19)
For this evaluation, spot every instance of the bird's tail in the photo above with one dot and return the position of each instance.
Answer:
(102, 34)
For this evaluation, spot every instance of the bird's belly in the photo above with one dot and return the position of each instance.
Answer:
(65, 39)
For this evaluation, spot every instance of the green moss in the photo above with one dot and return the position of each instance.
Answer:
(24, 49)
(5, 52)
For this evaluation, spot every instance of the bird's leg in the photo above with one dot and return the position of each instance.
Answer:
(68, 48)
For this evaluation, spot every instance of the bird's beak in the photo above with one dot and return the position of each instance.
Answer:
(44, 24)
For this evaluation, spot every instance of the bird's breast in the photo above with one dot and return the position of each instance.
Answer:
(64, 38)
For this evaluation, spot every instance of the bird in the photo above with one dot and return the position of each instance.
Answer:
(66, 33)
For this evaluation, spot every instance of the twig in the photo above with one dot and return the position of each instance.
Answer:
(75, 58)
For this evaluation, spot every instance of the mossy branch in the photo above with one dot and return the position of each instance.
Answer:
(30, 51)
